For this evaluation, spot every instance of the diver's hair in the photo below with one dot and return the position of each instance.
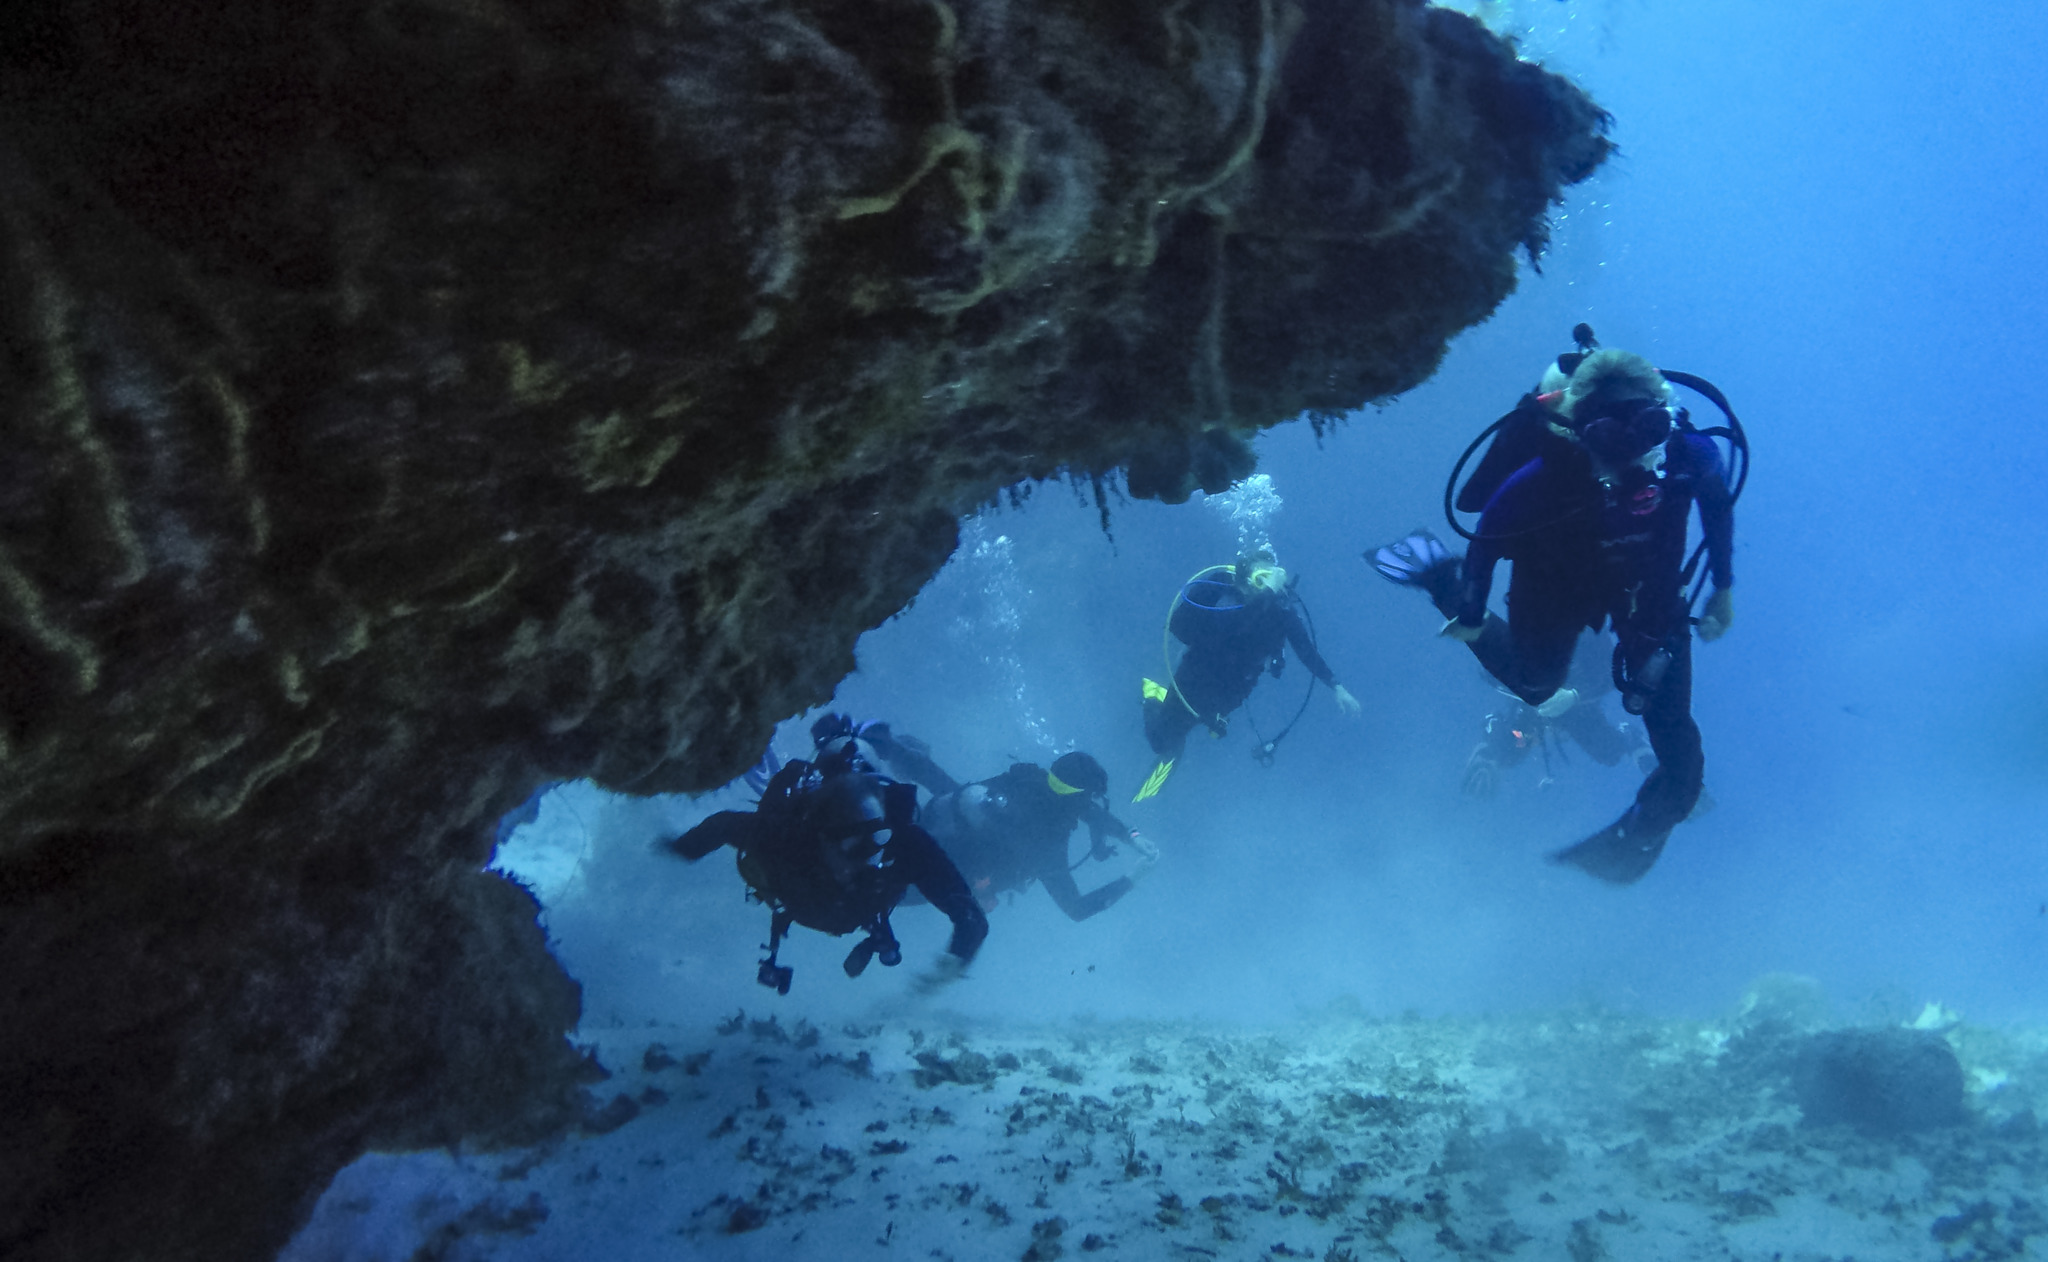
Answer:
(1613, 375)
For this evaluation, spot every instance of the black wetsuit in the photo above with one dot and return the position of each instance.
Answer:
(1010, 830)
(1227, 650)
(1588, 553)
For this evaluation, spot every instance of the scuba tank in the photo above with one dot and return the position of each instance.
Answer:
(1205, 612)
(1206, 607)
(815, 854)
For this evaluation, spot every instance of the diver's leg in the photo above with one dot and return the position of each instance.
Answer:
(1587, 724)
(1626, 849)
(1669, 793)
(1167, 724)
(1530, 651)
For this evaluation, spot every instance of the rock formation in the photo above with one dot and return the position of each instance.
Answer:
(408, 402)
(1883, 1082)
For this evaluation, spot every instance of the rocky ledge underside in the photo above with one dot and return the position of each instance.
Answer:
(405, 403)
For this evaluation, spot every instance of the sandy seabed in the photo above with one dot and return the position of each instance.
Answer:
(1575, 1136)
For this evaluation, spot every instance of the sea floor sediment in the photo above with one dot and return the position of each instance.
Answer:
(1576, 1136)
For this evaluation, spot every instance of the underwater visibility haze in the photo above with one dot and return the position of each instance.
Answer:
(1352, 1010)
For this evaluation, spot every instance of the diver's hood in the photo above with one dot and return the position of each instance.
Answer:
(847, 807)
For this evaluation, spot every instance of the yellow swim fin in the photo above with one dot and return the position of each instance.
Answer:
(1154, 690)
(1155, 781)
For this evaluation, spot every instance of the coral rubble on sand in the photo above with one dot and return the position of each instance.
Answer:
(1579, 1136)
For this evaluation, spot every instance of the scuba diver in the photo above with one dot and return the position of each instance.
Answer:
(1007, 831)
(1234, 620)
(834, 846)
(1574, 711)
(1588, 489)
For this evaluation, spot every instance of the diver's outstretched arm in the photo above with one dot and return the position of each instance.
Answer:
(1078, 906)
(910, 758)
(726, 828)
(918, 856)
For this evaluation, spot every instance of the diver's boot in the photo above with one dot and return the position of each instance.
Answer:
(1617, 853)
(1419, 560)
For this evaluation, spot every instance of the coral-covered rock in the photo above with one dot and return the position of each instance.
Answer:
(409, 402)
(1882, 1082)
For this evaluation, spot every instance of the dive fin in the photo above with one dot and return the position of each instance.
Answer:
(1616, 853)
(1156, 781)
(1409, 561)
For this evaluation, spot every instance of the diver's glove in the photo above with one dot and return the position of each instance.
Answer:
(1458, 631)
(1558, 702)
(1346, 703)
(1719, 615)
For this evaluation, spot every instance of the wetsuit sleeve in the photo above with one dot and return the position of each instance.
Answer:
(1717, 508)
(918, 855)
(911, 759)
(726, 828)
(1511, 512)
(1102, 828)
(1304, 648)
(1078, 906)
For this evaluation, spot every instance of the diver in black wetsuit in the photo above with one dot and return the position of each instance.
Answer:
(834, 846)
(1010, 830)
(1234, 620)
(1594, 520)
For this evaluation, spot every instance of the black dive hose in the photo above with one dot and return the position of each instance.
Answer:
(1451, 485)
(1264, 753)
(1738, 469)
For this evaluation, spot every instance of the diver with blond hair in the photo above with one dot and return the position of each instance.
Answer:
(1587, 491)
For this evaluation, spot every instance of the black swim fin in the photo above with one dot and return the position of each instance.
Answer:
(1616, 853)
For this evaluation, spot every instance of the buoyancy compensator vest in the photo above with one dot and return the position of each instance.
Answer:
(816, 853)
(1535, 428)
